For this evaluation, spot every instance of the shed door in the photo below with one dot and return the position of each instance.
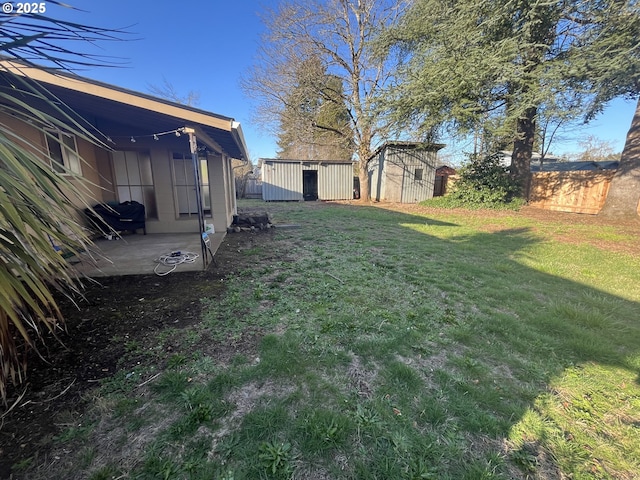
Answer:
(310, 185)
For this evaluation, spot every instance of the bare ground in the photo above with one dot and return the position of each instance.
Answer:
(114, 314)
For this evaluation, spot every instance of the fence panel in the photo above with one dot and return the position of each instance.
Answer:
(580, 191)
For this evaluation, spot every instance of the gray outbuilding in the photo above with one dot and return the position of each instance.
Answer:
(296, 180)
(403, 172)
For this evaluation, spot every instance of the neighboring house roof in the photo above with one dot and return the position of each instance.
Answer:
(141, 114)
(573, 166)
(506, 154)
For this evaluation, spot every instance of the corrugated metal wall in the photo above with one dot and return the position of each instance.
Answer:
(335, 181)
(282, 181)
(376, 177)
(419, 176)
(405, 175)
(394, 179)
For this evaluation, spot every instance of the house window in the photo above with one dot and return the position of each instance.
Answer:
(134, 180)
(418, 174)
(185, 185)
(63, 152)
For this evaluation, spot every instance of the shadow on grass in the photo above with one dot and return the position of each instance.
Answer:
(441, 351)
(519, 321)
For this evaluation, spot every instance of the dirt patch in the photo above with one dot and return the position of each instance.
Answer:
(114, 315)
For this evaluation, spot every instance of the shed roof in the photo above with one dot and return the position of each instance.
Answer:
(407, 145)
(291, 160)
(142, 114)
(445, 170)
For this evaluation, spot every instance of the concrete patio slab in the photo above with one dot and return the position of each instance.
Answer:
(137, 254)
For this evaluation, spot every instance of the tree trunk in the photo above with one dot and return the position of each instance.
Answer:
(364, 155)
(624, 191)
(365, 190)
(523, 150)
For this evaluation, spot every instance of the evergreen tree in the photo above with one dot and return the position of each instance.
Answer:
(459, 61)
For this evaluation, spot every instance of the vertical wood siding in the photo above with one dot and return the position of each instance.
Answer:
(580, 191)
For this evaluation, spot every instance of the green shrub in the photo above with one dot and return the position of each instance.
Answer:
(483, 183)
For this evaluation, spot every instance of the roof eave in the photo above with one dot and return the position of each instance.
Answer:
(118, 94)
(236, 132)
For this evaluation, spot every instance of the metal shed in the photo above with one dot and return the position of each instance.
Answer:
(403, 172)
(297, 180)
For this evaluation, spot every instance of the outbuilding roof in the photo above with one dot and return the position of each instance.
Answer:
(407, 145)
(291, 160)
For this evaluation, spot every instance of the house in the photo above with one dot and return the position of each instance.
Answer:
(403, 172)
(297, 180)
(536, 158)
(149, 154)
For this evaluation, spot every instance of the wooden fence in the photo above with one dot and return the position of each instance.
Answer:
(249, 186)
(579, 191)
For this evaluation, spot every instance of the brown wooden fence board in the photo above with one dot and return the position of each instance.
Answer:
(580, 191)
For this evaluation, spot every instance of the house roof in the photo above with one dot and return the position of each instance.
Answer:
(573, 166)
(534, 156)
(135, 113)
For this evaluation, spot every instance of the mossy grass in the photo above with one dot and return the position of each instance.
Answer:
(408, 346)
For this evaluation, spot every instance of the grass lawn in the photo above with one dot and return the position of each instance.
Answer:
(417, 344)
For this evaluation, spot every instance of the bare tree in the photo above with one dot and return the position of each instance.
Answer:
(340, 34)
(168, 91)
(594, 149)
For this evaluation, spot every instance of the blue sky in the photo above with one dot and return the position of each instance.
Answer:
(207, 45)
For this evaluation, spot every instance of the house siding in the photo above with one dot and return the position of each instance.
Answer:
(33, 137)
(222, 199)
(137, 123)
(98, 171)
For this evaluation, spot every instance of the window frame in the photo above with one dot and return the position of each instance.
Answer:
(181, 182)
(67, 166)
(129, 166)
